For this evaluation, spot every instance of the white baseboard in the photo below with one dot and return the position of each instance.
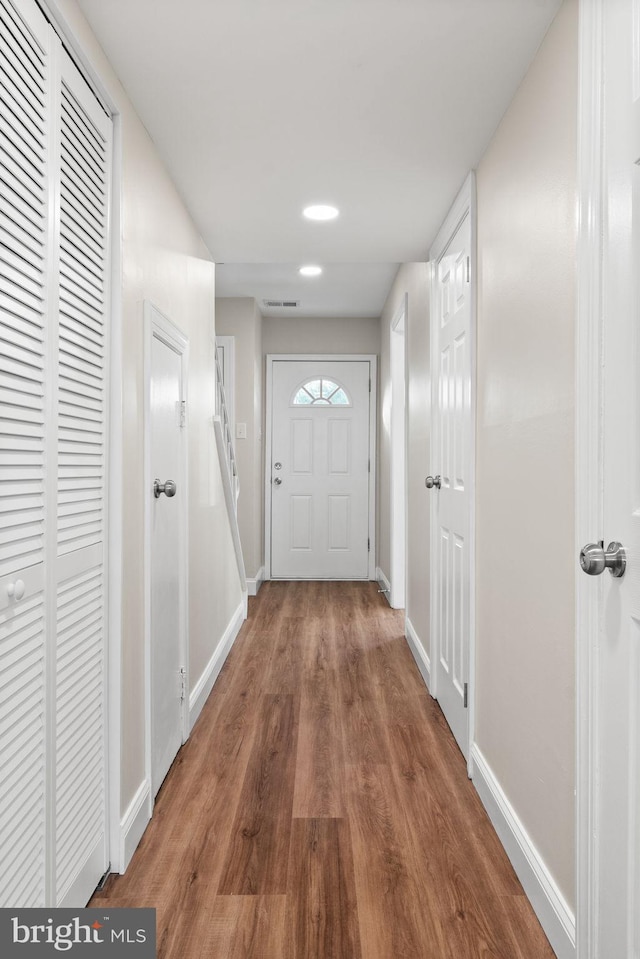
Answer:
(384, 584)
(134, 822)
(203, 687)
(422, 660)
(556, 918)
(255, 582)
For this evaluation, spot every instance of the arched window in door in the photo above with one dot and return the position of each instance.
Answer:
(320, 392)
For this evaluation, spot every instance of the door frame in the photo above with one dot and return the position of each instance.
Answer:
(589, 460)
(322, 358)
(156, 324)
(398, 465)
(464, 205)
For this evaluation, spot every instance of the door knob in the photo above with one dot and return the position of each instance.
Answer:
(594, 559)
(168, 488)
(432, 481)
(16, 590)
(277, 481)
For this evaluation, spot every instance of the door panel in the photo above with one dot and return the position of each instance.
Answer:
(53, 387)
(81, 784)
(319, 495)
(610, 495)
(166, 599)
(451, 334)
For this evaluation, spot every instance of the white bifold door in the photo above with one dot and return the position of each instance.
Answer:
(55, 149)
(318, 477)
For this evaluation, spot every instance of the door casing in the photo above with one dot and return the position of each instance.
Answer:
(319, 358)
(158, 325)
(465, 204)
(398, 505)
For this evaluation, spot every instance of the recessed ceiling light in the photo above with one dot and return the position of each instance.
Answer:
(320, 212)
(310, 270)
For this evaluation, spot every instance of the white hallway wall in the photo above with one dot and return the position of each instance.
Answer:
(164, 260)
(525, 673)
(525, 694)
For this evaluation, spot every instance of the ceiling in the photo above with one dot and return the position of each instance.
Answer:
(260, 107)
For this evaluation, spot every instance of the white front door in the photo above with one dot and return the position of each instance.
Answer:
(319, 469)
(451, 331)
(609, 486)
(167, 661)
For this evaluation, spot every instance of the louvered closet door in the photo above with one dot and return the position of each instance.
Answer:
(55, 147)
(24, 263)
(80, 786)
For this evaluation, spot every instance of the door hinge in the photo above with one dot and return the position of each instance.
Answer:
(183, 413)
(468, 269)
(369, 465)
(369, 384)
(466, 695)
(183, 684)
(368, 546)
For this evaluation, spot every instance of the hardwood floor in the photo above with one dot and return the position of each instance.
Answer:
(321, 808)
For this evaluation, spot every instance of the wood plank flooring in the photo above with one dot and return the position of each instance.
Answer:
(321, 808)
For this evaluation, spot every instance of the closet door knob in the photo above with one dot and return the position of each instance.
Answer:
(16, 590)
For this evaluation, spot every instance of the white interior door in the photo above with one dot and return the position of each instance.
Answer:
(319, 469)
(609, 488)
(53, 590)
(167, 533)
(451, 492)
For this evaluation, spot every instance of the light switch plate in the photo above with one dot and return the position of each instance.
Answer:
(241, 431)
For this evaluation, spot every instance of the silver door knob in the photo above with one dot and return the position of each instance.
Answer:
(594, 559)
(432, 481)
(277, 481)
(168, 488)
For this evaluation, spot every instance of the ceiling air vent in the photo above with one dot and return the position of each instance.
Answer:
(278, 303)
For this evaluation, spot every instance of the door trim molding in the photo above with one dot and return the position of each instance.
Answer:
(464, 205)
(397, 596)
(322, 358)
(156, 324)
(589, 458)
